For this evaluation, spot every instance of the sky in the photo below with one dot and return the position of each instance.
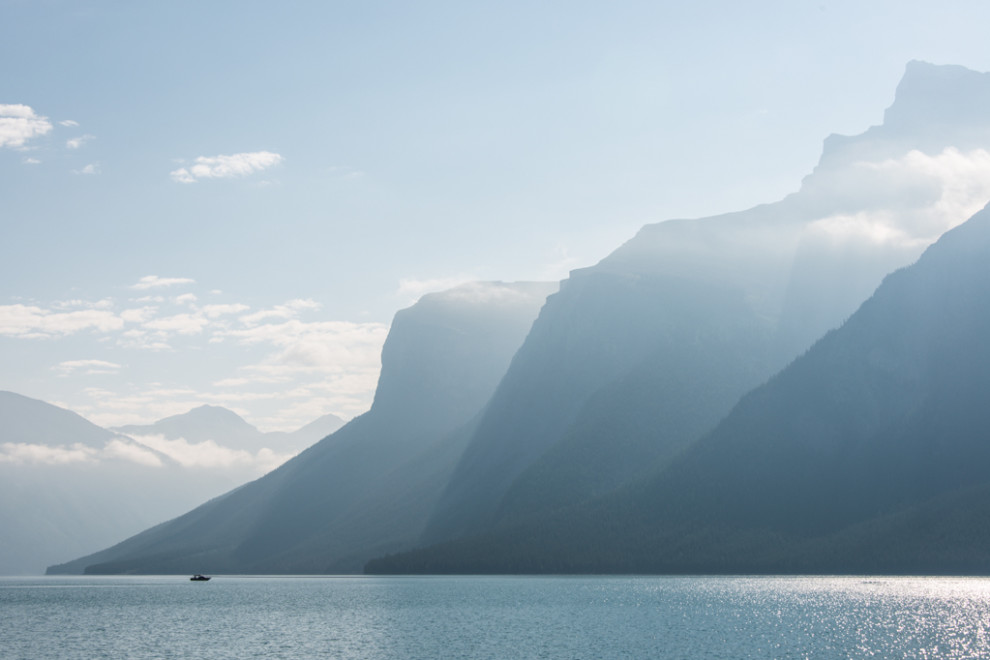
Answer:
(226, 202)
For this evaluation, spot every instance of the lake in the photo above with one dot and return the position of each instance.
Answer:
(494, 617)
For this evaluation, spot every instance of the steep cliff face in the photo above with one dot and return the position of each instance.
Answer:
(642, 353)
(869, 453)
(368, 487)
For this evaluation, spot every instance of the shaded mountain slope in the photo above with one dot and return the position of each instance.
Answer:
(368, 487)
(641, 354)
(869, 453)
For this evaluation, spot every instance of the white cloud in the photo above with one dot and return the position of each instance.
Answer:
(91, 169)
(342, 359)
(908, 202)
(216, 311)
(19, 123)
(21, 453)
(88, 367)
(143, 340)
(71, 123)
(24, 453)
(208, 454)
(186, 299)
(183, 324)
(76, 142)
(105, 303)
(280, 363)
(138, 314)
(153, 282)
(254, 380)
(132, 453)
(226, 167)
(32, 161)
(289, 310)
(34, 322)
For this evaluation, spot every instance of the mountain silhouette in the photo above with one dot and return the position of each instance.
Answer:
(869, 453)
(367, 488)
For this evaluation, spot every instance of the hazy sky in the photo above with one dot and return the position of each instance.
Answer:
(225, 202)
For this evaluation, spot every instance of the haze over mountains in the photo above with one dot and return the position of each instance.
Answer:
(868, 453)
(621, 437)
(645, 351)
(368, 488)
(68, 486)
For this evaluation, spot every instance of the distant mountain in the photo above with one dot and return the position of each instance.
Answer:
(228, 429)
(30, 421)
(637, 357)
(868, 454)
(203, 423)
(66, 485)
(69, 487)
(585, 449)
(367, 488)
(305, 436)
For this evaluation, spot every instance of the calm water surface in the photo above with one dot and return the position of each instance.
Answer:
(494, 617)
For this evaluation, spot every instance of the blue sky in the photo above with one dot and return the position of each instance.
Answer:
(225, 202)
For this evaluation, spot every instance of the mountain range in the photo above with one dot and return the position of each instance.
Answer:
(867, 454)
(734, 393)
(69, 487)
(641, 354)
(367, 488)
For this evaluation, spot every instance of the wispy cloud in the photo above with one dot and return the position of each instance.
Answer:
(289, 310)
(90, 169)
(69, 123)
(226, 167)
(21, 453)
(209, 454)
(284, 363)
(87, 367)
(19, 123)
(76, 142)
(346, 173)
(33, 322)
(183, 324)
(216, 311)
(155, 282)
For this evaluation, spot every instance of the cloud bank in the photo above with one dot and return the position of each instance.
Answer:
(902, 203)
(210, 455)
(118, 449)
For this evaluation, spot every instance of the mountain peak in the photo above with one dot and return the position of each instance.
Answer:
(208, 412)
(26, 420)
(940, 94)
(935, 106)
(199, 424)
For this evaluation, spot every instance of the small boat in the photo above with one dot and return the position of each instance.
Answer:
(200, 578)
